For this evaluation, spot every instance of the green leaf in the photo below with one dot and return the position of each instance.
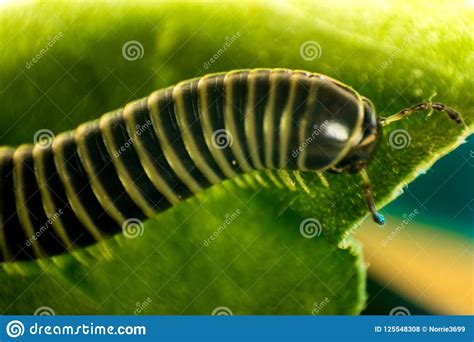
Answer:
(260, 262)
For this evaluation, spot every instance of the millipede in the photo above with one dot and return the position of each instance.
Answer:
(140, 160)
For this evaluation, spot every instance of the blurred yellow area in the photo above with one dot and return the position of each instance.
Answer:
(430, 267)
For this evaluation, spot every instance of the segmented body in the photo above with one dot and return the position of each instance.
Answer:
(157, 151)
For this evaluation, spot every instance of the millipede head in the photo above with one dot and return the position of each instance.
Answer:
(365, 144)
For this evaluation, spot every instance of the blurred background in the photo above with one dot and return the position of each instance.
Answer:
(426, 263)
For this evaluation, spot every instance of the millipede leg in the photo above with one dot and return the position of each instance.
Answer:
(369, 196)
(453, 115)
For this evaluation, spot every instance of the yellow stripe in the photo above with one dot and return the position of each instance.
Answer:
(104, 199)
(269, 117)
(229, 122)
(250, 115)
(188, 138)
(125, 178)
(285, 121)
(167, 147)
(206, 120)
(305, 122)
(20, 199)
(328, 78)
(75, 203)
(46, 198)
(146, 160)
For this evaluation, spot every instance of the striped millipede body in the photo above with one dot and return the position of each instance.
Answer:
(157, 151)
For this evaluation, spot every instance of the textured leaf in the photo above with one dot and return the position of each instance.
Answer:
(260, 262)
